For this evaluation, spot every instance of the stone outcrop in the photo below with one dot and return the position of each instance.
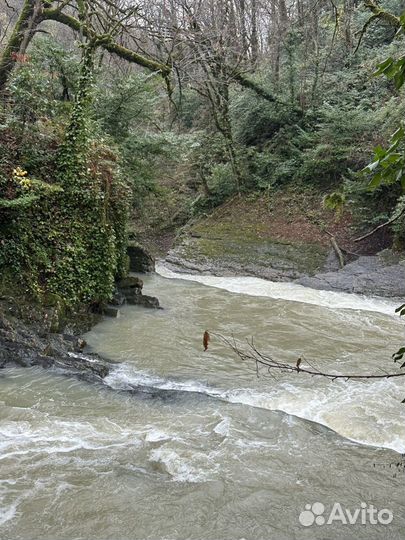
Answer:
(378, 275)
(131, 289)
(25, 346)
(273, 260)
(140, 260)
(373, 275)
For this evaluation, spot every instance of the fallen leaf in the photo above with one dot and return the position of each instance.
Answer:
(206, 340)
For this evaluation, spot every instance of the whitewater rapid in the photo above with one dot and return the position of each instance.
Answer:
(291, 292)
(182, 443)
(353, 408)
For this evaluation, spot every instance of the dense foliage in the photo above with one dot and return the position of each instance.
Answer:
(63, 198)
(256, 101)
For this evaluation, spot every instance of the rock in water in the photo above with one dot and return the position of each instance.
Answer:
(23, 345)
(145, 301)
(131, 288)
(130, 282)
(111, 311)
(118, 299)
(140, 260)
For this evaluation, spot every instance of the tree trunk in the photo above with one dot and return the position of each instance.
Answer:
(348, 7)
(242, 24)
(254, 35)
(27, 21)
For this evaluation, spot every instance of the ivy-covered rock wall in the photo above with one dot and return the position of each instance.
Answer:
(63, 236)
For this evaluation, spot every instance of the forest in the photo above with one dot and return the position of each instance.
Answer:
(252, 153)
(115, 113)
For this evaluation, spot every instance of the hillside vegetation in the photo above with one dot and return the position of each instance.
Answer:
(122, 121)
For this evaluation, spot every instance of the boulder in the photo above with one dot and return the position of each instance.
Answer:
(131, 289)
(140, 260)
(118, 299)
(130, 283)
(369, 275)
(111, 311)
(145, 301)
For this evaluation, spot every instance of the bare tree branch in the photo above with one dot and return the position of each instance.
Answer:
(260, 359)
(380, 226)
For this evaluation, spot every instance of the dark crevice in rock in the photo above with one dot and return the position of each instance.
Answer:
(140, 260)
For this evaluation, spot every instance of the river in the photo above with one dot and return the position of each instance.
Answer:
(185, 444)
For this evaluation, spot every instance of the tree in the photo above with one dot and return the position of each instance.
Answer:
(111, 21)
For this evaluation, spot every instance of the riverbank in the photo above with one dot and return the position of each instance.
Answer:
(35, 334)
(283, 238)
(29, 345)
(280, 239)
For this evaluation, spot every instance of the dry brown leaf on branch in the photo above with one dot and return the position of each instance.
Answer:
(206, 340)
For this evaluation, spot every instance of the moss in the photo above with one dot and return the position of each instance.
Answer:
(275, 233)
(13, 46)
(55, 14)
(281, 255)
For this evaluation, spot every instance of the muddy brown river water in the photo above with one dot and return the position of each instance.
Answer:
(184, 444)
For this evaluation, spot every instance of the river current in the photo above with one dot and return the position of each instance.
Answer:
(185, 444)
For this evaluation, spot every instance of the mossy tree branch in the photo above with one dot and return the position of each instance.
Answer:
(106, 42)
(13, 47)
(385, 16)
(34, 12)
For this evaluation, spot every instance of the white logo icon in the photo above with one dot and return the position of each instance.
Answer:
(313, 514)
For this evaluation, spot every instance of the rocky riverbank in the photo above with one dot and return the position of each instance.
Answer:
(28, 345)
(39, 335)
(284, 242)
(379, 275)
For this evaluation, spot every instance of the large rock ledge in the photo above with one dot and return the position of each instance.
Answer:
(378, 275)
(24, 346)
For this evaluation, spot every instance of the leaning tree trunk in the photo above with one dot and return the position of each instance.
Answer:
(28, 20)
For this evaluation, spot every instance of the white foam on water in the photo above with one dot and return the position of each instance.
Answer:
(184, 464)
(126, 377)
(291, 292)
(351, 409)
(366, 412)
(58, 437)
(7, 512)
(223, 427)
(155, 435)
